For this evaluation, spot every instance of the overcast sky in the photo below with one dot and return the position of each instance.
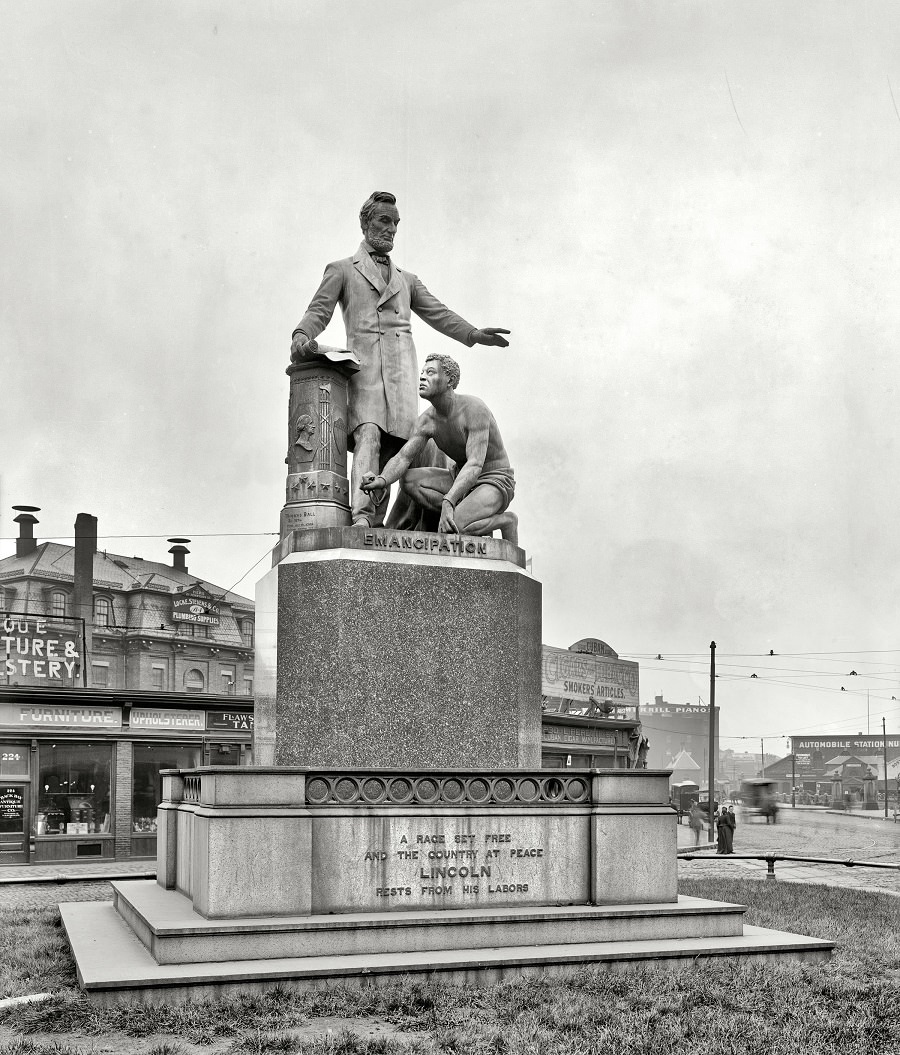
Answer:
(686, 213)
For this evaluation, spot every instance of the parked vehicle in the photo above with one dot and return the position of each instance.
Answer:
(683, 795)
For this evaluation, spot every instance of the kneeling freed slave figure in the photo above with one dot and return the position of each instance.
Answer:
(473, 496)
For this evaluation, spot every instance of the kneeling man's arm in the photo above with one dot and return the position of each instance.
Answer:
(402, 460)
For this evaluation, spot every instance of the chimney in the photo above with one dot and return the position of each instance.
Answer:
(179, 551)
(26, 520)
(85, 548)
(86, 538)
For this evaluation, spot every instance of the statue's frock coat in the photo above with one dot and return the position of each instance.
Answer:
(377, 317)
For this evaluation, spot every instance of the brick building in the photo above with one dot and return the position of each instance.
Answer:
(674, 730)
(111, 668)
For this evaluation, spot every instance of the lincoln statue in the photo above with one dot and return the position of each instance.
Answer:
(377, 300)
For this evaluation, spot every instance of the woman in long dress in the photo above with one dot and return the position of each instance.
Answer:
(721, 829)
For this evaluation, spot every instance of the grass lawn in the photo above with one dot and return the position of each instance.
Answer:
(850, 1006)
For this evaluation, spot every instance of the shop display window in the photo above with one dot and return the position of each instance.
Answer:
(149, 759)
(73, 789)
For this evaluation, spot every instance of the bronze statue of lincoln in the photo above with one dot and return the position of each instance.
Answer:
(377, 299)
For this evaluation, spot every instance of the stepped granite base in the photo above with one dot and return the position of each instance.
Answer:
(298, 877)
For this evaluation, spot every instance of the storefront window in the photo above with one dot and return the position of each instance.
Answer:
(73, 789)
(149, 759)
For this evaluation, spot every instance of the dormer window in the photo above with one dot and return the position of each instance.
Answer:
(58, 604)
(247, 632)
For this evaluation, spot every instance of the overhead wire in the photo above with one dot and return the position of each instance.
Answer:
(161, 535)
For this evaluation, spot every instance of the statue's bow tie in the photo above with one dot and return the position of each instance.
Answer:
(379, 258)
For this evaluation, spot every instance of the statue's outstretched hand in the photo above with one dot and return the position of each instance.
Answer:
(369, 484)
(490, 335)
(447, 523)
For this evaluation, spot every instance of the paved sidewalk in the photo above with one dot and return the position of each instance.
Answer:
(67, 871)
(869, 815)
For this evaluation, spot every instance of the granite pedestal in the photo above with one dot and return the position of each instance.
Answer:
(397, 648)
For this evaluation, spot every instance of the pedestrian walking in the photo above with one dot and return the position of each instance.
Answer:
(695, 820)
(721, 827)
(730, 824)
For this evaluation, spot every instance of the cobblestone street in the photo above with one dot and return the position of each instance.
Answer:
(807, 833)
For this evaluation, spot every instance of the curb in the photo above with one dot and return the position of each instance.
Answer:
(861, 815)
(75, 877)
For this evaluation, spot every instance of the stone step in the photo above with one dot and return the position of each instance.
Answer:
(167, 925)
(113, 965)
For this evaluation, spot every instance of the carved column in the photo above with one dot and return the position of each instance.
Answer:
(318, 491)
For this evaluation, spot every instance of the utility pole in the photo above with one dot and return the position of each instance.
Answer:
(884, 749)
(793, 780)
(712, 730)
(762, 757)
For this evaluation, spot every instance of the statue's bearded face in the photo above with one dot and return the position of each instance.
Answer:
(382, 227)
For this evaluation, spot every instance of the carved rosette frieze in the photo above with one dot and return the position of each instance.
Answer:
(456, 789)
